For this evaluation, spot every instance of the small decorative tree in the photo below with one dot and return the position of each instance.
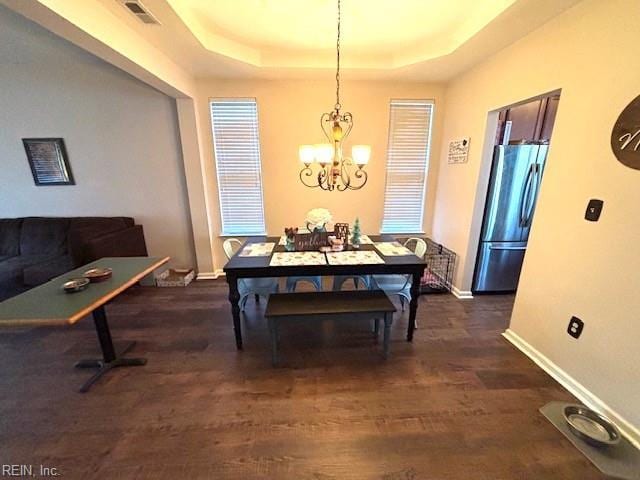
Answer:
(355, 236)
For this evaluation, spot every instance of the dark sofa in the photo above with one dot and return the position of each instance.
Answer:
(34, 250)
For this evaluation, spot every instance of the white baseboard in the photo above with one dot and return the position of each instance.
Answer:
(576, 388)
(210, 275)
(461, 294)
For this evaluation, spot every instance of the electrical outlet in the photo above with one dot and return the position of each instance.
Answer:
(575, 327)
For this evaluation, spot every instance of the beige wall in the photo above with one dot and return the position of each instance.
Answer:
(572, 267)
(121, 136)
(289, 113)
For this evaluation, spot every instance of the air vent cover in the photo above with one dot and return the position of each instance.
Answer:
(139, 10)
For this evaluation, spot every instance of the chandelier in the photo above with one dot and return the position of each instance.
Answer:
(335, 171)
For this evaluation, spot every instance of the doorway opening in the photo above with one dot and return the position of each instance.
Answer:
(520, 150)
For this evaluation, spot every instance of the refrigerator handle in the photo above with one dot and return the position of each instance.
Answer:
(534, 199)
(491, 247)
(524, 197)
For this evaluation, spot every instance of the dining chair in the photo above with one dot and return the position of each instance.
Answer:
(339, 281)
(400, 284)
(315, 280)
(260, 287)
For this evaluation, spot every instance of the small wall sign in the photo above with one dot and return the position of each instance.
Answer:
(459, 150)
(48, 161)
(625, 138)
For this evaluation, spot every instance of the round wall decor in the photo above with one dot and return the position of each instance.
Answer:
(625, 138)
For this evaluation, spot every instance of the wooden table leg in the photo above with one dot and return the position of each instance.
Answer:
(273, 331)
(234, 297)
(388, 319)
(413, 304)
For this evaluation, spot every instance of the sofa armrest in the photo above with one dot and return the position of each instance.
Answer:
(128, 242)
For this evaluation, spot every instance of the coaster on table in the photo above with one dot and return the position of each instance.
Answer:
(257, 249)
(283, 259)
(392, 249)
(354, 257)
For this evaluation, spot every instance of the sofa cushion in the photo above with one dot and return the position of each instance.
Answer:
(11, 269)
(42, 272)
(83, 229)
(10, 236)
(44, 236)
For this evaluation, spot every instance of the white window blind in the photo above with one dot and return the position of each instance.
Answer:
(237, 150)
(407, 162)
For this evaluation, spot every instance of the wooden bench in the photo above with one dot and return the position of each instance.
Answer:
(342, 305)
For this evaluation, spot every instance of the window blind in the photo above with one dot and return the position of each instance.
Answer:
(407, 162)
(237, 150)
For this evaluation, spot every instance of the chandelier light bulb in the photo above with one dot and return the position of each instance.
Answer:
(307, 154)
(361, 154)
(323, 153)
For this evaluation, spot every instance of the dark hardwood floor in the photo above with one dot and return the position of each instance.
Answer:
(458, 403)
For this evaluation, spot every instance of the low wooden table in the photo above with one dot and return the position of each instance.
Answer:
(342, 305)
(49, 305)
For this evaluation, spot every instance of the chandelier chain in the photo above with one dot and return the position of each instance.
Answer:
(337, 106)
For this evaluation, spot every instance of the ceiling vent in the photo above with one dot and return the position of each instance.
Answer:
(139, 10)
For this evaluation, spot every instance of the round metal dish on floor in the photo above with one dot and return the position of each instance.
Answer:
(590, 426)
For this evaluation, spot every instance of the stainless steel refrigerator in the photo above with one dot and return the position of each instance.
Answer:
(514, 184)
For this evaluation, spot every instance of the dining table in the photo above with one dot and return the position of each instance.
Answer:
(266, 256)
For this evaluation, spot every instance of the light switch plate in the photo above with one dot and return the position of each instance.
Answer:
(594, 208)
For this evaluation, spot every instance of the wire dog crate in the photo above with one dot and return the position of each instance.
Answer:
(438, 276)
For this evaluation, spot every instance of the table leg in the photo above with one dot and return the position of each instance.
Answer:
(234, 297)
(109, 357)
(413, 304)
(388, 319)
(273, 331)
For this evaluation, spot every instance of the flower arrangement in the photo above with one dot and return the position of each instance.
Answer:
(317, 219)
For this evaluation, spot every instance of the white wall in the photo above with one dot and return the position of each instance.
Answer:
(572, 267)
(289, 115)
(121, 137)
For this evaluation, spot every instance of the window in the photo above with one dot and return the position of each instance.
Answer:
(237, 150)
(407, 162)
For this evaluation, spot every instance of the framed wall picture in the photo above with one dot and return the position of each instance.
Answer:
(48, 161)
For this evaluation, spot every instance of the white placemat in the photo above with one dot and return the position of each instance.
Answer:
(392, 249)
(257, 249)
(365, 240)
(283, 259)
(354, 257)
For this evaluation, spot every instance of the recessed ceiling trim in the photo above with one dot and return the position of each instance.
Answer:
(294, 34)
